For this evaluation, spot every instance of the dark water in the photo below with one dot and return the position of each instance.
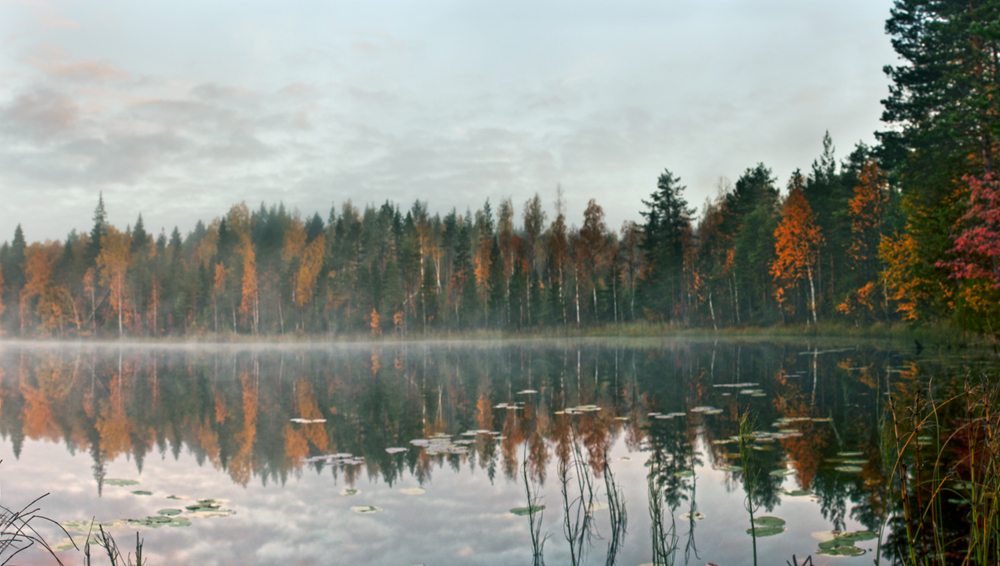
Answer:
(257, 431)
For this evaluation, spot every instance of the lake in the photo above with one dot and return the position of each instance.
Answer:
(417, 453)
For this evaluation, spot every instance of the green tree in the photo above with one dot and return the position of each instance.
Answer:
(666, 232)
(944, 110)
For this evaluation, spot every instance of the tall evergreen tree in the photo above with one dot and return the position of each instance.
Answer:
(945, 116)
(666, 231)
(97, 232)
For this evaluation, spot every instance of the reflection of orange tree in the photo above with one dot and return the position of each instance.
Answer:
(53, 382)
(297, 439)
(241, 466)
(807, 450)
(114, 425)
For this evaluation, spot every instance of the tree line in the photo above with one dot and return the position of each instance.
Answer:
(908, 229)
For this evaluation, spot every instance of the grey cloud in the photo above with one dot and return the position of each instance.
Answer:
(39, 114)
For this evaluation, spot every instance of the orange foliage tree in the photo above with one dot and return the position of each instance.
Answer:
(113, 263)
(867, 209)
(798, 239)
(38, 260)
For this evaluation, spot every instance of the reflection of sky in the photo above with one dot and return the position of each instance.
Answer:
(462, 519)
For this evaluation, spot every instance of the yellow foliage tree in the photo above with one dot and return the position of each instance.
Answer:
(113, 263)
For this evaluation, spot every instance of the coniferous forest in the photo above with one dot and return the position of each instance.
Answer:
(905, 230)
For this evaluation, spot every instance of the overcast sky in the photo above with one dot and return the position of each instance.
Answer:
(180, 109)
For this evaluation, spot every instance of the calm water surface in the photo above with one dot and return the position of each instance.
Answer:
(290, 443)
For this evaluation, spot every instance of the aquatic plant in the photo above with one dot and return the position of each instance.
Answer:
(534, 514)
(17, 531)
(939, 480)
(616, 508)
(106, 541)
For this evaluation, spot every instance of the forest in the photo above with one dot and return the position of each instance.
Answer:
(907, 230)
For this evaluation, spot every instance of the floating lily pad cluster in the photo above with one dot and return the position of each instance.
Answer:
(767, 526)
(667, 416)
(510, 406)
(848, 462)
(530, 510)
(578, 410)
(442, 443)
(365, 509)
(209, 508)
(707, 410)
(169, 517)
(119, 482)
(842, 544)
(300, 420)
(341, 459)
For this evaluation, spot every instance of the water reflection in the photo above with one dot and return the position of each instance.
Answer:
(533, 414)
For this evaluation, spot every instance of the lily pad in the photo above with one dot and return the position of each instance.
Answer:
(796, 492)
(349, 492)
(365, 509)
(850, 454)
(849, 469)
(413, 491)
(157, 521)
(783, 472)
(523, 511)
(119, 482)
(76, 542)
(684, 474)
(769, 522)
(169, 512)
(840, 550)
(395, 450)
(766, 531)
(697, 515)
(856, 536)
(142, 492)
(212, 513)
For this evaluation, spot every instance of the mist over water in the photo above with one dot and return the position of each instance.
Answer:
(290, 438)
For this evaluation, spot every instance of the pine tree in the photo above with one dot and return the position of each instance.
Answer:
(665, 233)
(97, 232)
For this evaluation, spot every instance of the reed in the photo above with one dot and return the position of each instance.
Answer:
(750, 475)
(534, 515)
(618, 514)
(944, 487)
(17, 531)
(664, 538)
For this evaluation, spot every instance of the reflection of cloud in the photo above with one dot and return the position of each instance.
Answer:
(39, 114)
(56, 63)
(57, 22)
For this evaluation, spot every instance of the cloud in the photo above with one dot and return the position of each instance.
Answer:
(55, 63)
(49, 21)
(39, 115)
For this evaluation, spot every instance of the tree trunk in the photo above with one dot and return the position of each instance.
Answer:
(712, 310)
(812, 293)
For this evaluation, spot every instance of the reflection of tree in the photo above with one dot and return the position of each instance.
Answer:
(241, 465)
(113, 424)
